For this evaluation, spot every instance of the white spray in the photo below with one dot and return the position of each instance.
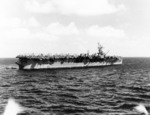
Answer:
(141, 108)
(12, 108)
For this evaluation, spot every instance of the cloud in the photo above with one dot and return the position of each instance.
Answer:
(77, 7)
(30, 36)
(15, 29)
(31, 22)
(35, 6)
(17, 33)
(107, 31)
(17, 22)
(9, 23)
(31, 29)
(59, 29)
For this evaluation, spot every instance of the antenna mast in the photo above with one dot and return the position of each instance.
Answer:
(100, 52)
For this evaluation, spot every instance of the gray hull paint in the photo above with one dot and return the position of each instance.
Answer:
(57, 65)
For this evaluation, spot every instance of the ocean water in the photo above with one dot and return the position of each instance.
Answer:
(90, 91)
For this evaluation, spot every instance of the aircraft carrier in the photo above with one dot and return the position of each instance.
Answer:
(99, 59)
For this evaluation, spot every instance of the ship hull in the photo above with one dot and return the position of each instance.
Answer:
(31, 65)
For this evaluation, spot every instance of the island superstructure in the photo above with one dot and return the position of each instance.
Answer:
(27, 62)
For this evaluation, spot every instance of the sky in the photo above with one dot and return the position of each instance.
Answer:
(122, 27)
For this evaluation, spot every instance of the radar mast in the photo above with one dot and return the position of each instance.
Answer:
(100, 51)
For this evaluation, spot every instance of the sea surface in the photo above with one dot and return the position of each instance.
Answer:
(90, 91)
